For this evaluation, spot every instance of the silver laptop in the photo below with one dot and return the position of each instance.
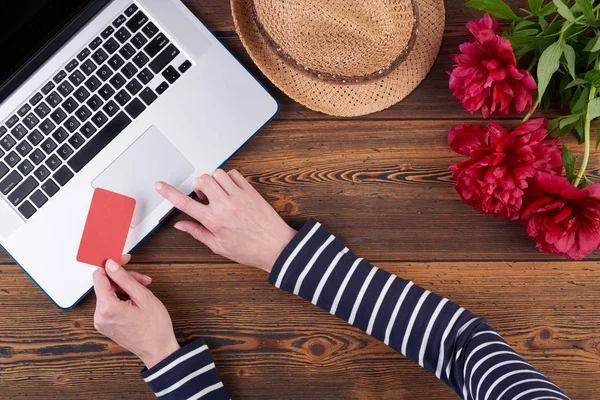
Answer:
(114, 95)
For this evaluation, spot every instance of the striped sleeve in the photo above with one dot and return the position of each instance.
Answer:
(445, 339)
(188, 373)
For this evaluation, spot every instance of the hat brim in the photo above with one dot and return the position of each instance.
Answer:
(346, 100)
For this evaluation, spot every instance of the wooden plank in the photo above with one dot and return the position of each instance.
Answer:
(267, 343)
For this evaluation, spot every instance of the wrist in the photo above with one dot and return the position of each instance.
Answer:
(282, 239)
(156, 356)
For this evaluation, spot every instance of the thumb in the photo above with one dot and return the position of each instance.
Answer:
(125, 281)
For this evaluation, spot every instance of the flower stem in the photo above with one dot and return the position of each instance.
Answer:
(586, 155)
(533, 108)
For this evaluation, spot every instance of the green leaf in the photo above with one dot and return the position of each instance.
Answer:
(580, 100)
(586, 8)
(527, 32)
(593, 45)
(543, 23)
(535, 5)
(594, 108)
(597, 136)
(576, 82)
(568, 120)
(593, 77)
(548, 9)
(497, 8)
(523, 24)
(570, 56)
(564, 11)
(569, 161)
(548, 65)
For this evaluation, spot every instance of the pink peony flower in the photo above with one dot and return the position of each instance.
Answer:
(494, 178)
(485, 74)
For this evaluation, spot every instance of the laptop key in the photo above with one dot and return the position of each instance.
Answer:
(36, 99)
(83, 113)
(119, 21)
(95, 43)
(135, 108)
(145, 76)
(3, 130)
(99, 56)
(48, 87)
(12, 159)
(111, 45)
(139, 41)
(41, 110)
(72, 65)
(137, 21)
(164, 58)
(41, 173)
(117, 81)
(76, 141)
(24, 148)
(185, 66)
(148, 96)
(134, 86)
(156, 45)
(59, 77)
(27, 210)
(37, 156)
(22, 191)
(94, 103)
(127, 51)
(99, 119)
(150, 30)
(88, 130)
(58, 116)
(129, 70)
(170, 70)
(130, 10)
(35, 137)
(140, 59)
(72, 124)
(88, 67)
(84, 54)
(50, 188)
(162, 88)
(77, 78)
(54, 99)
(107, 32)
(53, 162)
(81, 94)
(7, 142)
(38, 198)
(106, 91)
(65, 88)
(63, 175)
(24, 110)
(25, 167)
(116, 62)
(99, 141)
(60, 135)
(65, 151)
(93, 83)
(31, 121)
(104, 73)
(12, 121)
(70, 105)
(47, 126)
(10, 182)
(3, 170)
(110, 108)
(122, 98)
(123, 35)
(48, 146)
(19, 132)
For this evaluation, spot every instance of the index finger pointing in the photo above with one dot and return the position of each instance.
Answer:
(180, 200)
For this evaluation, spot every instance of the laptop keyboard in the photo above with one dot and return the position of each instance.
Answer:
(83, 108)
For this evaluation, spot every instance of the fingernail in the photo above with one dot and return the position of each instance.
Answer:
(180, 228)
(148, 278)
(112, 266)
(158, 186)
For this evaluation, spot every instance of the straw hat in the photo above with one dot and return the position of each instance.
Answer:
(342, 57)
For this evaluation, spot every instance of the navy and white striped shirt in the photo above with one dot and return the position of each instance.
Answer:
(445, 339)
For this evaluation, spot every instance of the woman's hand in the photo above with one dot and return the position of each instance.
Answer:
(129, 314)
(233, 219)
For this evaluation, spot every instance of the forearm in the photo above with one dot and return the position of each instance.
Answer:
(186, 374)
(447, 340)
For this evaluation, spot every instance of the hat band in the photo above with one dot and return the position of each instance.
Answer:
(331, 78)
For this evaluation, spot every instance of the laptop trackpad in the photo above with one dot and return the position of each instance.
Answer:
(149, 159)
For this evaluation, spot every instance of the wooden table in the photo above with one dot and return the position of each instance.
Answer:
(381, 183)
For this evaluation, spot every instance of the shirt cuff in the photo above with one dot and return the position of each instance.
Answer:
(189, 373)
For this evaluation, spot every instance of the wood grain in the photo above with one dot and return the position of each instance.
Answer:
(381, 183)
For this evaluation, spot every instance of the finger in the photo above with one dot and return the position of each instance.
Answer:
(225, 182)
(201, 197)
(125, 259)
(141, 278)
(103, 286)
(239, 179)
(207, 185)
(125, 281)
(181, 201)
(198, 232)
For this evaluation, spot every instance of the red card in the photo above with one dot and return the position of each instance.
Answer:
(106, 228)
